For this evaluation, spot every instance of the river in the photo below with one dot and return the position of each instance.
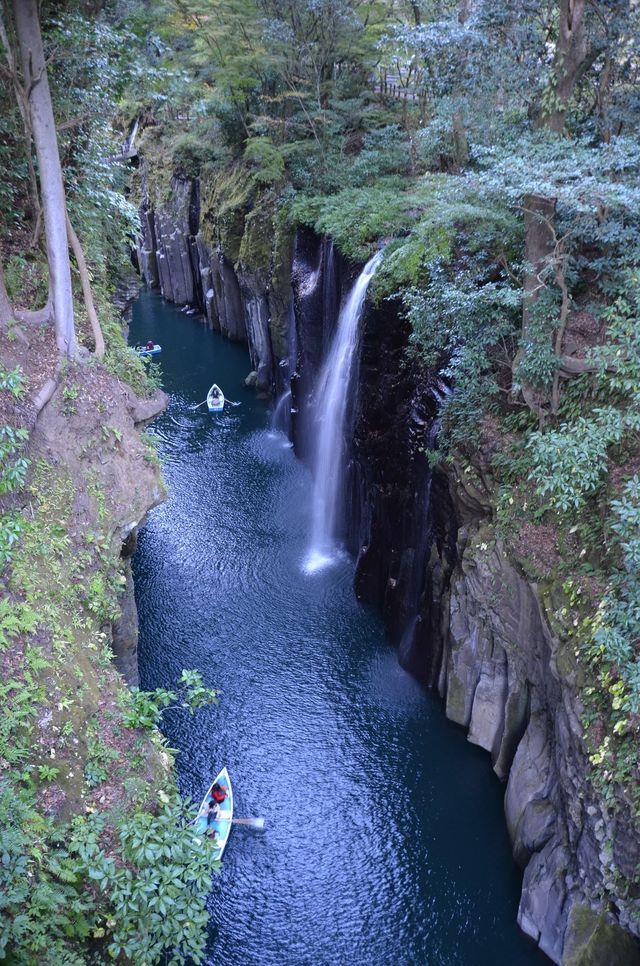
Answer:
(385, 839)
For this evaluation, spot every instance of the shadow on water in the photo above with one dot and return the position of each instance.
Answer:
(385, 838)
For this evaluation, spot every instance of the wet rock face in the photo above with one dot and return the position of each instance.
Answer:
(319, 277)
(124, 633)
(234, 297)
(392, 528)
(468, 622)
(167, 252)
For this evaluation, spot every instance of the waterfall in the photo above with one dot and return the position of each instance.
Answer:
(281, 418)
(331, 396)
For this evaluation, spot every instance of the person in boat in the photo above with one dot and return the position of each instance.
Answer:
(150, 345)
(216, 394)
(218, 793)
(214, 812)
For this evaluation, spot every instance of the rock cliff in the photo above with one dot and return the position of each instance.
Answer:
(236, 270)
(465, 617)
(470, 623)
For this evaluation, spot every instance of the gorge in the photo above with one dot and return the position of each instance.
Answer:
(395, 584)
(384, 833)
(464, 616)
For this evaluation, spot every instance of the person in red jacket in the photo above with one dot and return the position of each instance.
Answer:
(218, 793)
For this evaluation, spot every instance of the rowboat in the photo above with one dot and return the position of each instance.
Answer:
(215, 403)
(142, 350)
(222, 825)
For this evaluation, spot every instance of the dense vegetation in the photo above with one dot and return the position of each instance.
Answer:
(492, 146)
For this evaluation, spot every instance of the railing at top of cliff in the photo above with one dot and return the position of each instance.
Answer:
(399, 86)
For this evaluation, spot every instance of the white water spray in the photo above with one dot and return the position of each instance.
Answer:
(331, 405)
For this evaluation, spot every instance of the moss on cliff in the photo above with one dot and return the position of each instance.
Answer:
(226, 197)
(592, 940)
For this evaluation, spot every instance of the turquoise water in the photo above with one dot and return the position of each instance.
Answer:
(385, 839)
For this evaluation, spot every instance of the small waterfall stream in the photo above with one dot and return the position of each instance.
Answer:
(281, 418)
(331, 397)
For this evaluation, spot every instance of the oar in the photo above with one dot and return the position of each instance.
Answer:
(231, 402)
(199, 404)
(252, 822)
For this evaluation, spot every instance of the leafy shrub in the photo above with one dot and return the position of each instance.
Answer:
(265, 160)
(13, 467)
(12, 525)
(64, 899)
(13, 381)
(355, 218)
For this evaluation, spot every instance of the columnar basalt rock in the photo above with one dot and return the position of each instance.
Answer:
(246, 302)
(468, 622)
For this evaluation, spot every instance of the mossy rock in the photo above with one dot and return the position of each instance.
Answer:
(256, 246)
(225, 201)
(281, 295)
(591, 940)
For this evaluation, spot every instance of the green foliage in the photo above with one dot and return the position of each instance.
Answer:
(13, 382)
(12, 525)
(99, 759)
(13, 466)
(16, 620)
(26, 275)
(155, 891)
(65, 898)
(462, 330)
(539, 363)
(146, 707)
(265, 160)
(569, 463)
(47, 773)
(616, 627)
(355, 218)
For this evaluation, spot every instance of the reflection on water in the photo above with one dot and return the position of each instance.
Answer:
(385, 840)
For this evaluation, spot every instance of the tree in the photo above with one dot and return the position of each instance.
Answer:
(42, 124)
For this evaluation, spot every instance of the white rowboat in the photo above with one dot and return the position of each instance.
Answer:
(215, 399)
(222, 824)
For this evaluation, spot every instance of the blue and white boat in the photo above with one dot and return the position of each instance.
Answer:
(222, 824)
(215, 399)
(143, 350)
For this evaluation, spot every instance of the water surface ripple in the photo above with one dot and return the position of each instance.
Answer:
(385, 840)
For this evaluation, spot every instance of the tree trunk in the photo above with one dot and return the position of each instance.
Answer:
(539, 246)
(34, 72)
(465, 9)
(92, 315)
(417, 15)
(571, 52)
(460, 143)
(6, 309)
(570, 57)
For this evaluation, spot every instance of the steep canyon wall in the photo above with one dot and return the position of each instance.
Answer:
(463, 614)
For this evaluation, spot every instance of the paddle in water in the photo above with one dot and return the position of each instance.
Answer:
(251, 822)
(230, 401)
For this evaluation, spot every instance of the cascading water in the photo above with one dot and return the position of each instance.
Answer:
(282, 413)
(331, 396)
